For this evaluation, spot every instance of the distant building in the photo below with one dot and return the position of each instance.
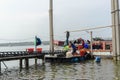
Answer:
(105, 45)
(58, 43)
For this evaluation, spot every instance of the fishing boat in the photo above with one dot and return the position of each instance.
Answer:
(60, 57)
(63, 59)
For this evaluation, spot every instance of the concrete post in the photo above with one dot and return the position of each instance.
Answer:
(117, 28)
(51, 27)
(113, 30)
(91, 43)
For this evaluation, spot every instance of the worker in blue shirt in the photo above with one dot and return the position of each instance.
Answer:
(73, 47)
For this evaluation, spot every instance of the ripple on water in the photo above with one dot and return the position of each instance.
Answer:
(89, 70)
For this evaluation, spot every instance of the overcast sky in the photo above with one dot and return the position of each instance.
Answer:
(21, 20)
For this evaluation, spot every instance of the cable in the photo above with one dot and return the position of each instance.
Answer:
(90, 29)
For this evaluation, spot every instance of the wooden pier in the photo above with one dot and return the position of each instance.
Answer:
(24, 55)
(20, 55)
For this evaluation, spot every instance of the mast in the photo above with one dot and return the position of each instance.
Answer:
(51, 27)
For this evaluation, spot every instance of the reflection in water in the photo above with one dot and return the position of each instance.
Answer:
(89, 70)
(117, 70)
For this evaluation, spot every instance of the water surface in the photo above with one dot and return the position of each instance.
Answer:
(89, 70)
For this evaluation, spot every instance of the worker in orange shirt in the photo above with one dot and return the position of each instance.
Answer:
(82, 52)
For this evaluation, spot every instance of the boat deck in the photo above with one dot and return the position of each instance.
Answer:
(55, 58)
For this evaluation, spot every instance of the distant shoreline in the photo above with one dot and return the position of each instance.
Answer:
(21, 43)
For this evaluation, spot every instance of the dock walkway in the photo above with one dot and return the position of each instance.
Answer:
(20, 55)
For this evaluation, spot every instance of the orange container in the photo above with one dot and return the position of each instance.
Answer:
(39, 50)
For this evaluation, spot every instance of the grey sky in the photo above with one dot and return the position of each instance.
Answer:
(21, 20)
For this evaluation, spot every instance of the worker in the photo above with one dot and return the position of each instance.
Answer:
(73, 47)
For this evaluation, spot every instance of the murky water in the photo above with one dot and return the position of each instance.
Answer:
(89, 70)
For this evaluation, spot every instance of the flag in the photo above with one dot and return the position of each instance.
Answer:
(37, 41)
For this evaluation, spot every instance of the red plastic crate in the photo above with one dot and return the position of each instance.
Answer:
(39, 50)
(30, 50)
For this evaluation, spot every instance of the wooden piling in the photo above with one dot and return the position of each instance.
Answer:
(35, 63)
(20, 64)
(43, 59)
(26, 63)
(0, 67)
